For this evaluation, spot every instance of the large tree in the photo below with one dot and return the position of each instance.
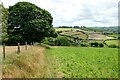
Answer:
(27, 22)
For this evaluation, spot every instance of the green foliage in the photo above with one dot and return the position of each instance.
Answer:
(4, 23)
(96, 44)
(59, 41)
(62, 41)
(112, 43)
(113, 46)
(82, 62)
(29, 23)
(119, 37)
(59, 32)
(84, 44)
(101, 45)
(49, 41)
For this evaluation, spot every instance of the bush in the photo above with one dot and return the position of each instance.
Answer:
(62, 41)
(96, 44)
(84, 45)
(49, 41)
(101, 45)
(59, 32)
(113, 46)
(119, 37)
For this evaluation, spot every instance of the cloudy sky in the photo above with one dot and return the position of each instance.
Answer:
(78, 12)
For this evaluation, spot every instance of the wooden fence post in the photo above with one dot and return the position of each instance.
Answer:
(3, 50)
(31, 43)
(25, 45)
(18, 47)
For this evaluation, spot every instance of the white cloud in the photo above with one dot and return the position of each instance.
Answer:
(78, 12)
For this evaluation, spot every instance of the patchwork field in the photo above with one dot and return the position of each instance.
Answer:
(113, 42)
(96, 36)
(84, 34)
(84, 62)
(63, 29)
(75, 34)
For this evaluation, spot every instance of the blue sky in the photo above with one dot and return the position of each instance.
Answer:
(78, 12)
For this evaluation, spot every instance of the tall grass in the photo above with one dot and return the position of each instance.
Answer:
(27, 64)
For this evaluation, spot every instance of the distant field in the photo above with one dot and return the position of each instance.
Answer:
(91, 29)
(75, 34)
(89, 33)
(99, 41)
(84, 62)
(114, 35)
(112, 42)
(63, 29)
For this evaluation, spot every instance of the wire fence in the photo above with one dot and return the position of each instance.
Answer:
(14, 49)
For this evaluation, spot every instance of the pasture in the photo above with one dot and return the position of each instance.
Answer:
(112, 42)
(75, 34)
(84, 62)
(64, 29)
(96, 36)
(84, 33)
(62, 62)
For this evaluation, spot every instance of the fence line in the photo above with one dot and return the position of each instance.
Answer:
(18, 49)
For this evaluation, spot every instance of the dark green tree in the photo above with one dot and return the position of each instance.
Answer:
(27, 22)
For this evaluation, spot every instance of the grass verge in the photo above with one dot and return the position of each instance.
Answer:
(28, 64)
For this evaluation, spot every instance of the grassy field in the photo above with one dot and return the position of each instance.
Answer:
(59, 62)
(112, 42)
(75, 34)
(85, 33)
(72, 33)
(91, 29)
(63, 29)
(114, 35)
(84, 62)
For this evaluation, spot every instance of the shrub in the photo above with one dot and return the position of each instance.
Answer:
(119, 37)
(101, 45)
(84, 45)
(113, 46)
(62, 41)
(49, 41)
(59, 32)
(96, 44)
